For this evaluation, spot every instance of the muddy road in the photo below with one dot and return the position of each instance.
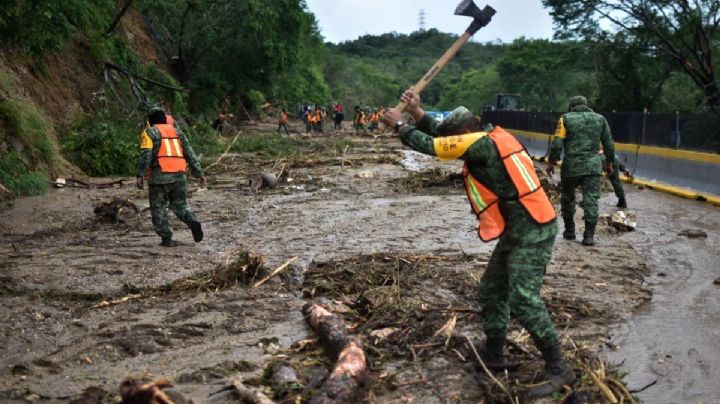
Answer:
(672, 342)
(86, 303)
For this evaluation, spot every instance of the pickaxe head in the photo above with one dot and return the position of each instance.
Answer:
(481, 18)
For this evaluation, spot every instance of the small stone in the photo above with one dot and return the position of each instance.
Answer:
(693, 233)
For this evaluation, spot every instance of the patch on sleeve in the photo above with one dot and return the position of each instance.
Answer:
(454, 147)
(145, 141)
(560, 131)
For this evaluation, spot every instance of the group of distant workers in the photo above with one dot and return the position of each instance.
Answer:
(314, 118)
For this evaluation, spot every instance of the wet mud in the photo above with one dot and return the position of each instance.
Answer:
(87, 302)
(670, 346)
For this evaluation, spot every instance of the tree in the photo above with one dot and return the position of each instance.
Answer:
(685, 31)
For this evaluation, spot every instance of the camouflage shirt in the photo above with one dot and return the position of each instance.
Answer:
(486, 166)
(149, 145)
(580, 133)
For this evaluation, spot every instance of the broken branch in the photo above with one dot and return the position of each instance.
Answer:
(275, 272)
(487, 371)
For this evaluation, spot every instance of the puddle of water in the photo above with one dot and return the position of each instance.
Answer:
(674, 339)
(414, 161)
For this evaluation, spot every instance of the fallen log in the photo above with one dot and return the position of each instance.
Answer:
(348, 380)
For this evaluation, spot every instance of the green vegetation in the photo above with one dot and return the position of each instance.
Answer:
(22, 121)
(103, 145)
(271, 145)
(18, 179)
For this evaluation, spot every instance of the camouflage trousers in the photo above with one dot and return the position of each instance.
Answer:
(172, 195)
(358, 127)
(511, 285)
(590, 185)
(615, 181)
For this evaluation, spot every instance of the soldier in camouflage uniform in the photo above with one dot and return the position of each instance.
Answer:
(511, 283)
(167, 188)
(580, 133)
(614, 176)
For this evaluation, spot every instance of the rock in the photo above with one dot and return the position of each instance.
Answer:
(717, 282)
(623, 221)
(283, 375)
(365, 174)
(693, 233)
(263, 181)
(382, 333)
(60, 182)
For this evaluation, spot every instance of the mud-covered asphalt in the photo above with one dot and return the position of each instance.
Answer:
(59, 262)
(671, 344)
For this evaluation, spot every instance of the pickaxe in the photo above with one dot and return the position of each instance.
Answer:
(481, 18)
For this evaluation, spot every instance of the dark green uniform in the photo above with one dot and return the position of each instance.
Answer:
(580, 133)
(511, 284)
(614, 178)
(166, 189)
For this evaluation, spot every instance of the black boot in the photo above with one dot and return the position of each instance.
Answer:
(493, 357)
(557, 370)
(169, 242)
(588, 239)
(622, 203)
(196, 229)
(569, 233)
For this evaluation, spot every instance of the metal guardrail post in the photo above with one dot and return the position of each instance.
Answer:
(644, 125)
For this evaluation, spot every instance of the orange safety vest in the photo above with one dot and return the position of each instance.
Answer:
(374, 117)
(318, 116)
(521, 171)
(283, 118)
(361, 118)
(170, 153)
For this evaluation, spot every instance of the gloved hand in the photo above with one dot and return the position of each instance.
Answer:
(550, 170)
(607, 167)
(201, 182)
(140, 182)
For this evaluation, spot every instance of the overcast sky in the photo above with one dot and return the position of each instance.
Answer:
(342, 20)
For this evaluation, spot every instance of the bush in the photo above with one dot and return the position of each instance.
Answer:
(104, 145)
(204, 139)
(17, 178)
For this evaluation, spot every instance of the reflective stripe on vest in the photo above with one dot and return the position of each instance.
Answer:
(521, 171)
(170, 153)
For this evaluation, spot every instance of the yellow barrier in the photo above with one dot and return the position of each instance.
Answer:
(647, 150)
(653, 151)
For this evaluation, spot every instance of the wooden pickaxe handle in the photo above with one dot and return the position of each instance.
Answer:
(437, 67)
(480, 19)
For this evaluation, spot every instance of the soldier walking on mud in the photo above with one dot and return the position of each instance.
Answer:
(359, 121)
(165, 154)
(614, 177)
(511, 205)
(580, 133)
(283, 121)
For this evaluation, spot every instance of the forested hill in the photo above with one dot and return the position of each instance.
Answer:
(614, 75)
(375, 69)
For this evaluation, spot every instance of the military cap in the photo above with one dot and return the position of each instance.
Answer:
(455, 122)
(578, 100)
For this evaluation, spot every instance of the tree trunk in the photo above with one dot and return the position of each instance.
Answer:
(347, 381)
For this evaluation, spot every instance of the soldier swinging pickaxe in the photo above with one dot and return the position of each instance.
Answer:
(481, 18)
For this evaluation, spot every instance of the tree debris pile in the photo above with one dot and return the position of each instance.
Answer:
(434, 177)
(550, 185)
(110, 210)
(245, 269)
